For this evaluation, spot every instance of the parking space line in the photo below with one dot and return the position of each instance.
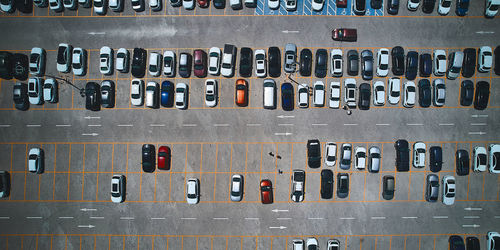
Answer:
(25, 168)
(98, 166)
(83, 169)
(185, 170)
(154, 191)
(215, 171)
(230, 166)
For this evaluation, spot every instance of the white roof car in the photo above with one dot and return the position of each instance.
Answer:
(155, 5)
(334, 95)
(382, 62)
(449, 190)
(106, 60)
(154, 66)
(303, 93)
(211, 92)
(336, 59)
(35, 94)
(118, 188)
(7, 6)
(317, 5)
(100, 7)
(394, 90)
(36, 160)
(480, 160)
(439, 96)
(360, 158)
(116, 5)
(484, 59)
(192, 191)
(291, 5)
(50, 90)
(37, 61)
(330, 154)
(236, 187)
(413, 4)
(181, 95)
(273, 4)
(260, 63)
(290, 57)
(64, 57)
(491, 8)
(444, 7)
(375, 156)
(319, 94)
(169, 63)
(152, 95)
(409, 94)
(350, 92)
(439, 56)
(122, 60)
(79, 62)
(419, 154)
(137, 92)
(298, 185)
(188, 4)
(493, 239)
(494, 166)
(297, 244)
(378, 93)
(333, 245)
(214, 55)
(55, 5)
(227, 67)
(311, 243)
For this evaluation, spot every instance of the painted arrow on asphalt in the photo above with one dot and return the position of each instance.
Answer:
(473, 208)
(282, 133)
(86, 226)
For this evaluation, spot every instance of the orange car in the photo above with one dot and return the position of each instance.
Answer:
(266, 191)
(241, 96)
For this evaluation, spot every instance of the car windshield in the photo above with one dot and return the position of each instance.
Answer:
(191, 196)
(167, 61)
(97, 4)
(32, 157)
(446, 3)
(198, 67)
(265, 188)
(411, 89)
(350, 93)
(383, 66)
(318, 1)
(210, 97)
(395, 93)
(61, 55)
(115, 187)
(153, 68)
(34, 58)
(482, 159)
(493, 7)
(259, 57)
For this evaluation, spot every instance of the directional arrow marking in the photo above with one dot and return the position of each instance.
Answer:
(280, 227)
(87, 226)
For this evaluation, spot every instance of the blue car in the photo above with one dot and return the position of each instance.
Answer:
(462, 7)
(167, 94)
(287, 96)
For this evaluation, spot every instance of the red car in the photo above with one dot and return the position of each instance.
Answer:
(202, 3)
(266, 192)
(241, 96)
(347, 35)
(341, 3)
(200, 63)
(164, 158)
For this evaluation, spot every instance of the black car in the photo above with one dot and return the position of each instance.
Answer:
(20, 66)
(376, 4)
(24, 6)
(305, 62)
(462, 161)
(497, 61)
(108, 94)
(398, 60)
(466, 93)
(148, 158)
(388, 186)
(218, 4)
(287, 96)
(472, 243)
(313, 153)
(428, 6)
(456, 243)
(20, 96)
(411, 65)
(92, 96)
(425, 65)
(342, 185)
(469, 63)
(4, 184)
(185, 64)
(436, 159)
(402, 155)
(274, 61)
(367, 64)
(321, 65)
(364, 96)
(6, 61)
(139, 62)
(482, 95)
(393, 7)
(424, 93)
(246, 62)
(352, 62)
(326, 184)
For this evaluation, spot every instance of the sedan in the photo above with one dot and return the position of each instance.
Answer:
(36, 160)
(37, 61)
(439, 56)
(185, 62)
(167, 94)
(290, 57)
(313, 153)
(439, 92)
(260, 63)
(122, 60)
(394, 90)
(303, 95)
(297, 244)
(164, 157)
(482, 95)
(342, 185)
(211, 92)
(137, 92)
(20, 96)
(472, 243)
(321, 65)
(444, 7)
(435, 159)
(50, 90)
(326, 188)
(409, 94)
(456, 243)
(274, 62)
(106, 60)
(336, 58)
(55, 5)
(494, 151)
(287, 100)
(469, 62)
(480, 160)
(448, 190)
(364, 96)
(334, 95)
(317, 5)
(388, 185)
(330, 154)
(432, 188)
(181, 95)
(92, 96)
(374, 159)
(139, 62)
(345, 153)
(413, 4)
(319, 94)
(298, 185)
(352, 63)
(333, 245)
(118, 188)
(305, 62)
(236, 187)
(169, 63)
(398, 60)
(419, 154)
(484, 59)
(350, 92)
(367, 64)
(100, 7)
(425, 65)
(411, 65)
(360, 158)
(7, 6)
(466, 93)
(155, 5)
(148, 158)
(241, 95)
(382, 62)
(496, 69)
(378, 93)
(462, 162)
(188, 4)
(107, 94)
(200, 63)
(312, 244)
(138, 6)
(273, 4)
(154, 67)
(193, 191)
(64, 57)
(79, 61)
(214, 56)
(35, 93)
(266, 192)
(493, 239)
(4, 184)
(462, 7)
(402, 155)
(246, 62)
(424, 93)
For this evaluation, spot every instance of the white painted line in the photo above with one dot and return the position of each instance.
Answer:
(4, 125)
(485, 32)
(221, 125)
(474, 225)
(279, 210)
(473, 208)
(284, 218)
(251, 218)
(96, 33)
(94, 125)
(33, 125)
(497, 217)
(319, 124)
(285, 116)
(314, 218)
(347, 218)
(4, 218)
(66, 217)
(33, 217)
(225, 218)
(382, 124)
(125, 125)
(478, 124)
(126, 218)
(414, 124)
(285, 124)
(92, 217)
(280, 227)
(159, 218)
(87, 226)
(157, 125)
(90, 134)
(188, 218)
(479, 115)
(477, 133)
(350, 124)
(92, 117)
(253, 124)
(189, 125)
(88, 209)
(282, 133)
(409, 217)
(471, 217)
(446, 124)
(440, 217)
(63, 125)
(378, 218)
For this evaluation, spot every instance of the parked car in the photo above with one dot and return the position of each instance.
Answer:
(480, 160)
(287, 96)
(260, 63)
(274, 61)
(342, 185)
(236, 187)
(374, 159)
(496, 69)
(122, 60)
(334, 100)
(317, 5)
(469, 63)
(241, 96)
(152, 95)
(313, 153)
(411, 65)
(105, 60)
(425, 64)
(472, 243)
(435, 159)
(424, 93)
(455, 61)
(394, 90)
(164, 158)
(8, 6)
(432, 188)
(382, 62)
(137, 92)
(350, 92)
(266, 192)
(269, 94)
(493, 240)
(419, 154)
(402, 155)
(444, 7)
(378, 93)
(44, 3)
(37, 61)
(305, 62)
(246, 62)
(345, 160)
(92, 96)
(484, 59)
(273, 4)
(290, 57)
(138, 6)
(319, 94)
(298, 185)
(100, 7)
(494, 159)
(20, 68)
(360, 158)
(330, 154)
(336, 58)
(192, 191)
(482, 95)
(364, 96)
(155, 61)
(297, 244)
(439, 56)
(321, 64)
(409, 95)
(345, 35)
(35, 93)
(218, 4)
(439, 92)
(466, 93)
(185, 61)
(50, 90)
(148, 158)
(188, 4)
(462, 7)
(64, 57)
(448, 190)
(376, 4)
(139, 62)
(456, 243)
(79, 61)
(4, 184)
(181, 95)
(393, 7)
(55, 5)
(413, 5)
(291, 5)
(462, 162)
(367, 64)
(20, 96)
(388, 187)
(352, 63)
(428, 6)
(326, 189)
(200, 63)
(117, 5)
(118, 188)
(333, 245)
(211, 92)
(303, 95)
(359, 7)
(36, 160)
(169, 63)
(341, 3)
(214, 56)
(398, 60)
(167, 94)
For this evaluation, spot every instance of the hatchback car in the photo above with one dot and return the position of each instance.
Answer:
(480, 159)
(360, 158)
(185, 62)
(313, 153)
(378, 93)
(374, 159)
(36, 160)
(118, 188)
(345, 153)
(211, 92)
(92, 96)
(79, 61)
(137, 92)
(200, 63)
(424, 93)
(154, 67)
(425, 65)
(342, 185)
(319, 94)
(382, 62)
(352, 63)
(214, 56)
(290, 57)
(432, 188)
(402, 155)
(345, 35)
(246, 62)
(303, 95)
(439, 95)
(334, 100)
(456, 243)
(192, 191)
(164, 156)
(305, 62)
(241, 95)
(435, 158)
(469, 62)
(64, 53)
(122, 60)
(236, 187)
(260, 63)
(367, 64)
(482, 95)
(35, 92)
(37, 61)
(169, 63)
(466, 93)
(139, 62)
(419, 154)
(274, 62)
(181, 95)
(20, 96)
(4, 184)
(484, 59)
(321, 64)
(330, 154)
(409, 94)
(152, 95)
(287, 96)
(326, 189)
(106, 60)
(448, 190)
(266, 191)
(350, 92)
(364, 96)
(439, 56)
(494, 159)
(398, 60)
(388, 187)
(411, 65)
(148, 158)
(394, 90)
(50, 90)
(336, 59)
(298, 185)
(462, 162)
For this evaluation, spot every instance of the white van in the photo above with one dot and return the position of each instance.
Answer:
(455, 61)
(235, 4)
(152, 95)
(269, 94)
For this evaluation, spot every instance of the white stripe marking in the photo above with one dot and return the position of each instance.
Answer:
(347, 218)
(409, 217)
(285, 124)
(350, 124)
(126, 218)
(471, 217)
(188, 218)
(284, 218)
(160, 218)
(378, 218)
(440, 217)
(4, 125)
(478, 124)
(33, 125)
(446, 124)
(92, 217)
(497, 217)
(157, 125)
(319, 124)
(221, 125)
(63, 125)
(4, 218)
(189, 125)
(94, 125)
(33, 217)
(220, 218)
(382, 124)
(414, 124)
(318, 218)
(253, 124)
(66, 217)
(125, 125)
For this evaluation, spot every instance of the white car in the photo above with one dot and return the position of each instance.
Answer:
(439, 56)
(138, 5)
(116, 5)
(419, 154)
(50, 90)
(55, 5)
(169, 63)
(291, 5)
(298, 185)
(70, 4)
(7, 6)
(236, 187)
(379, 93)
(336, 59)
(192, 191)
(79, 62)
(491, 9)
(333, 245)
(303, 93)
(35, 94)
(152, 95)
(409, 94)
(64, 57)
(494, 150)
(312, 243)
(273, 4)
(155, 5)
(480, 160)
(444, 7)
(334, 95)
(188, 4)
(350, 92)
(394, 90)
(181, 95)
(449, 190)
(137, 92)
(317, 5)
(37, 61)
(439, 96)
(100, 7)
(360, 158)
(330, 154)
(260, 63)
(154, 67)
(106, 60)
(118, 188)
(493, 239)
(211, 90)
(382, 62)
(214, 55)
(484, 59)
(297, 244)
(413, 4)
(122, 60)
(319, 94)
(36, 160)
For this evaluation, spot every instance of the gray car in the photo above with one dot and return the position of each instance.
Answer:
(352, 63)
(290, 57)
(345, 162)
(374, 159)
(432, 188)
(367, 64)
(388, 183)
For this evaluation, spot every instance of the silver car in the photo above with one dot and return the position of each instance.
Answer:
(345, 161)
(432, 188)
(237, 187)
(290, 57)
(374, 160)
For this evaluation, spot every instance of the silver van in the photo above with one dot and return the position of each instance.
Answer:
(455, 61)
(269, 98)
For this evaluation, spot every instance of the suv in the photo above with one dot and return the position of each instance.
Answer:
(313, 153)
(139, 62)
(402, 155)
(298, 185)
(432, 188)
(411, 65)
(290, 57)
(274, 61)
(469, 63)
(345, 153)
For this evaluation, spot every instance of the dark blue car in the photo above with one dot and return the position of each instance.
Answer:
(287, 96)
(462, 7)
(167, 94)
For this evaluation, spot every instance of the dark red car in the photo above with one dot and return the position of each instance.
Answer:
(200, 63)
(266, 192)
(341, 3)
(347, 35)
(164, 158)
(202, 3)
